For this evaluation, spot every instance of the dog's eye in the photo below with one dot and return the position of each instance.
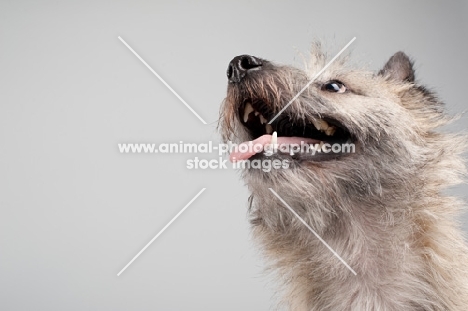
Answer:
(334, 86)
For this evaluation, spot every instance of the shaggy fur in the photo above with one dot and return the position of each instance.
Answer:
(382, 209)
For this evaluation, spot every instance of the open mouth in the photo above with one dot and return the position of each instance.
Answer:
(284, 130)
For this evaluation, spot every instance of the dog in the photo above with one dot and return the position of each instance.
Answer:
(381, 208)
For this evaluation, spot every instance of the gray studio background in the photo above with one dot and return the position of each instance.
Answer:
(74, 211)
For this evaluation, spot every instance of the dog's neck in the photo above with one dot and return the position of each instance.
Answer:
(391, 249)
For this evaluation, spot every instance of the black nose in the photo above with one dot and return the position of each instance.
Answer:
(239, 66)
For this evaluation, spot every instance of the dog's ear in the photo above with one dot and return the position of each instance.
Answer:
(399, 68)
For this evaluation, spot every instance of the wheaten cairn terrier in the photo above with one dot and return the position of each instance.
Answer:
(382, 209)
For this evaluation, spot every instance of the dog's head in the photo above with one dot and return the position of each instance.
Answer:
(386, 116)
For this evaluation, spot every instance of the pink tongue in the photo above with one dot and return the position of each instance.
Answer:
(249, 148)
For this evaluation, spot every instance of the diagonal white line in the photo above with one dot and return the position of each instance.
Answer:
(312, 230)
(162, 80)
(313, 79)
(160, 232)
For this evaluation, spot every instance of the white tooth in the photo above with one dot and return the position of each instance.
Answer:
(330, 131)
(325, 125)
(262, 119)
(247, 110)
(317, 124)
(274, 139)
(269, 129)
(320, 125)
(257, 113)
